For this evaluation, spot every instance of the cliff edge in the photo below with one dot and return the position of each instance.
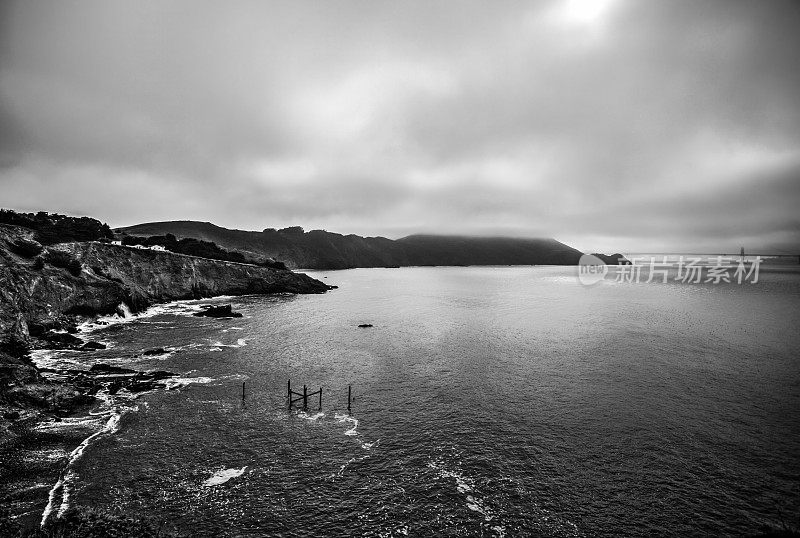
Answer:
(40, 283)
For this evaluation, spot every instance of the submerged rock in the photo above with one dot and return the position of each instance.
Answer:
(365, 325)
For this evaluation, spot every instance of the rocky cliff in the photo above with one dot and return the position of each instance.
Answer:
(38, 284)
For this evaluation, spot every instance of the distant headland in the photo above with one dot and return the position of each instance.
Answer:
(320, 249)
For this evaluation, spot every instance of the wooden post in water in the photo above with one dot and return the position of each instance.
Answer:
(320, 398)
(289, 392)
(348, 397)
(243, 390)
(305, 398)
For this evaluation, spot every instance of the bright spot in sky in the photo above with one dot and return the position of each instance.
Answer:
(586, 12)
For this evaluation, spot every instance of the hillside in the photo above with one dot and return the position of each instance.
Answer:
(319, 249)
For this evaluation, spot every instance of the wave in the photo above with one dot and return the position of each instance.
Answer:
(57, 359)
(185, 307)
(65, 483)
(466, 486)
(315, 416)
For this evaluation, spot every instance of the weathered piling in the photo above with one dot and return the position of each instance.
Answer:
(293, 396)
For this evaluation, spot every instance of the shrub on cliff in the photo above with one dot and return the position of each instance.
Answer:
(64, 260)
(52, 228)
(187, 245)
(273, 264)
(26, 248)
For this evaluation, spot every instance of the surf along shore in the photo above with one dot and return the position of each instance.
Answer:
(52, 297)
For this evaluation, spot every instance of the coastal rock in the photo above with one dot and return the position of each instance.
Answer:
(136, 278)
(102, 368)
(613, 259)
(59, 340)
(222, 311)
(365, 325)
(154, 351)
(57, 324)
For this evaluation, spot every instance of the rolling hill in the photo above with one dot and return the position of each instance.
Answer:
(319, 249)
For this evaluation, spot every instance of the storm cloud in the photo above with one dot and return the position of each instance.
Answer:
(608, 124)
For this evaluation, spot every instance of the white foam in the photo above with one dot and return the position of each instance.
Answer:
(352, 420)
(241, 342)
(57, 359)
(315, 416)
(466, 487)
(178, 382)
(500, 530)
(71, 423)
(463, 484)
(368, 446)
(179, 308)
(220, 477)
(44, 454)
(65, 482)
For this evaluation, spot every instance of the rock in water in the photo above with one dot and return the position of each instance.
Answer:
(222, 311)
(365, 325)
(102, 368)
(57, 340)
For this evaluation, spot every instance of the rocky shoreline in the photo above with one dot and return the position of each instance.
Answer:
(47, 292)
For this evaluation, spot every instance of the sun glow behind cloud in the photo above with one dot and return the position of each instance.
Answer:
(584, 12)
(568, 118)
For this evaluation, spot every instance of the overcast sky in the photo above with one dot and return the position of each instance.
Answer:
(612, 125)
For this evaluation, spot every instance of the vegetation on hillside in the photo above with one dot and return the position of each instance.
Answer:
(319, 249)
(196, 247)
(52, 228)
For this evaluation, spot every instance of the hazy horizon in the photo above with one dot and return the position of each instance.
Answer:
(610, 125)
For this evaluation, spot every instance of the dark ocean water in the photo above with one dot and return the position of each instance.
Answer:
(488, 401)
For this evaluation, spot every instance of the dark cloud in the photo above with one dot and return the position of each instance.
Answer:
(612, 124)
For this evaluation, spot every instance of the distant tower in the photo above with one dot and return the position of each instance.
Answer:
(742, 253)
